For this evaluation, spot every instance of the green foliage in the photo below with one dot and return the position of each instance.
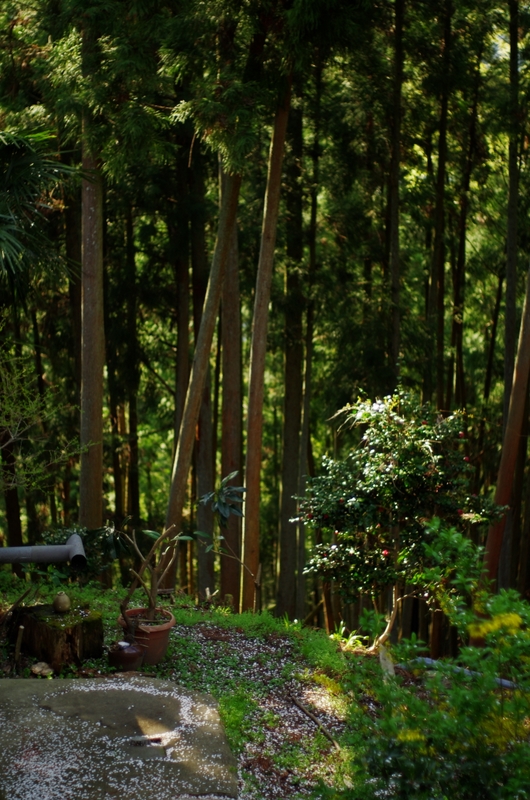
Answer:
(234, 710)
(459, 728)
(452, 569)
(27, 176)
(225, 501)
(322, 652)
(25, 417)
(373, 505)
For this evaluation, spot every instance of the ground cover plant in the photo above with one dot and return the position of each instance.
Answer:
(275, 684)
(309, 715)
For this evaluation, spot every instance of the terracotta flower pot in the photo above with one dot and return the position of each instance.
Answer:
(152, 636)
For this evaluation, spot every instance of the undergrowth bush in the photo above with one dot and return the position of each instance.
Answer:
(460, 729)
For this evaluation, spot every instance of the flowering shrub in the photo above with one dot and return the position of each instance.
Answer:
(372, 507)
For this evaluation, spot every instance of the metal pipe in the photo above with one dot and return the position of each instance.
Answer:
(73, 551)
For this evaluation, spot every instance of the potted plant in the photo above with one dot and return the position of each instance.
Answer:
(149, 627)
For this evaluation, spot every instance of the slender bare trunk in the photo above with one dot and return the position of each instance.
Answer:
(513, 189)
(203, 445)
(511, 542)
(231, 436)
(437, 288)
(399, 9)
(12, 503)
(133, 373)
(258, 352)
(293, 372)
(459, 272)
(199, 369)
(92, 347)
(73, 246)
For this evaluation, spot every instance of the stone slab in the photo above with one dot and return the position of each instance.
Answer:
(124, 737)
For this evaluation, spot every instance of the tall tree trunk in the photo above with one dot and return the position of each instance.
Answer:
(133, 373)
(203, 444)
(511, 542)
(512, 434)
(513, 189)
(488, 377)
(305, 441)
(117, 465)
(199, 369)
(258, 351)
(179, 244)
(92, 347)
(523, 573)
(459, 272)
(73, 246)
(12, 503)
(437, 289)
(293, 366)
(231, 436)
(399, 9)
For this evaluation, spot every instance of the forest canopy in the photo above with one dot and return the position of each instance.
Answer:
(221, 223)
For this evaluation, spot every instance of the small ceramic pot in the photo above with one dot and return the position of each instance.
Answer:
(126, 656)
(61, 603)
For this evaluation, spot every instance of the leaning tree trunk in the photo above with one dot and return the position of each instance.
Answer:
(179, 248)
(92, 347)
(258, 351)
(204, 442)
(200, 365)
(510, 446)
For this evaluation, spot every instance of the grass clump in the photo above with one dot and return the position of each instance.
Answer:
(236, 710)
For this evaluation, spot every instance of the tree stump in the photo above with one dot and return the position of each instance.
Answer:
(59, 638)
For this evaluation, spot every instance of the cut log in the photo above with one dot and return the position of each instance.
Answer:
(59, 638)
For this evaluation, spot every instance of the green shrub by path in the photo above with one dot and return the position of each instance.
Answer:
(461, 728)
(448, 735)
(373, 505)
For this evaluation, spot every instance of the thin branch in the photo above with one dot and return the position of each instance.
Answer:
(164, 383)
(324, 730)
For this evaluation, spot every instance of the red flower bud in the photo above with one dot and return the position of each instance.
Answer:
(386, 553)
